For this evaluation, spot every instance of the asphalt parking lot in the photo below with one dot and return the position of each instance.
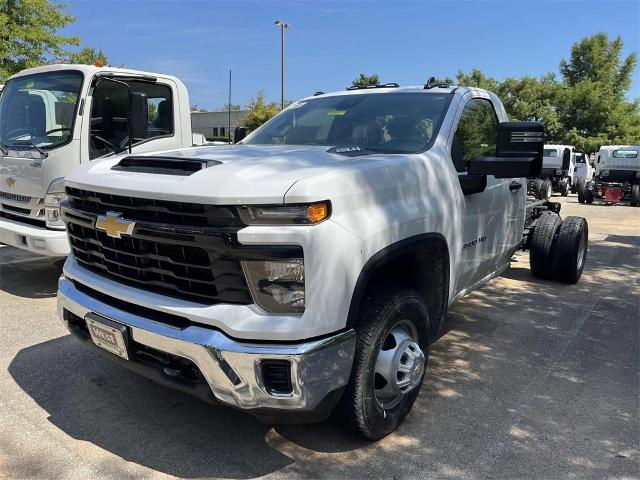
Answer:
(531, 379)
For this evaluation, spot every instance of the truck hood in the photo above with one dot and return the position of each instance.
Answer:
(245, 174)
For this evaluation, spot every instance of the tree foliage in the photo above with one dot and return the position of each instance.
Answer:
(366, 80)
(586, 107)
(88, 56)
(29, 34)
(259, 111)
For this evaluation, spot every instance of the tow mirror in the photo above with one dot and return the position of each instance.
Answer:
(518, 153)
(138, 116)
(239, 134)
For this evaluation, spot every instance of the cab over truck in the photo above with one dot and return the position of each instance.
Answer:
(56, 117)
(308, 269)
(557, 174)
(617, 176)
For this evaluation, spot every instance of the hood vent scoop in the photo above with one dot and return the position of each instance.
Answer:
(163, 165)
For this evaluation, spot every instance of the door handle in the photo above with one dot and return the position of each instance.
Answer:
(515, 186)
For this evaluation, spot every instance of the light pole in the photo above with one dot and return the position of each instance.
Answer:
(282, 26)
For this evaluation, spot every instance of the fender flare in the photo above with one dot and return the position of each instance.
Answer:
(383, 256)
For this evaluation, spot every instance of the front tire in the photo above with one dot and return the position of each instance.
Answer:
(564, 187)
(582, 187)
(392, 349)
(589, 196)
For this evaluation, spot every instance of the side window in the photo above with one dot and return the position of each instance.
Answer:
(109, 126)
(476, 134)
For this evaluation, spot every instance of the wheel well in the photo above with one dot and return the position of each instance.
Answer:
(420, 263)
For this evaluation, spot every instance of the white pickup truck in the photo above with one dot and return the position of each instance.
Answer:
(56, 117)
(311, 266)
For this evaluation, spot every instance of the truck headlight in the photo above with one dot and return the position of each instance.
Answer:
(54, 197)
(297, 214)
(277, 286)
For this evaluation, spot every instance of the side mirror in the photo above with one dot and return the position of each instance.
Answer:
(138, 116)
(239, 134)
(519, 152)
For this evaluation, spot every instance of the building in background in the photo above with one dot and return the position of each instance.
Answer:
(216, 124)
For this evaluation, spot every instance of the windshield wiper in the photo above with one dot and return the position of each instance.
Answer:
(42, 153)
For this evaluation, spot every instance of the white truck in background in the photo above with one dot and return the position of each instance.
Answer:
(557, 175)
(55, 117)
(584, 169)
(617, 176)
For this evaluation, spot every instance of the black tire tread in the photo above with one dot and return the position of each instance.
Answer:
(565, 252)
(369, 328)
(541, 254)
(635, 195)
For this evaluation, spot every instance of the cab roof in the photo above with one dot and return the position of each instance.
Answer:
(90, 70)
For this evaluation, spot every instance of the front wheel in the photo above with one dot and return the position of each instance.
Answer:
(392, 348)
(564, 187)
(582, 187)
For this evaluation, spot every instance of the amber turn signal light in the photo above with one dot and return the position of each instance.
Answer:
(316, 212)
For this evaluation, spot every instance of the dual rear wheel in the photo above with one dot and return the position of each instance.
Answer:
(559, 248)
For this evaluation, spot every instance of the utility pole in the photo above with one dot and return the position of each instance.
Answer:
(282, 26)
(229, 108)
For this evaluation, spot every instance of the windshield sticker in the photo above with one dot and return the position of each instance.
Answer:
(336, 113)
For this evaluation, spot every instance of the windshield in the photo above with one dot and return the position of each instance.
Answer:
(39, 109)
(388, 122)
(625, 154)
(550, 152)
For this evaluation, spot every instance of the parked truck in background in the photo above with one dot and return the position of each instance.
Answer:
(557, 174)
(309, 268)
(584, 169)
(56, 117)
(617, 176)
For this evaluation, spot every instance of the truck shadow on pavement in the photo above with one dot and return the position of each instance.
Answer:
(524, 369)
(27, 275)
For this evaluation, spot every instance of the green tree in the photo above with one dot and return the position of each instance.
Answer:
(29, 34)
(196, 108)
(259, 111)
(366, 80)
(88, 56)
(593, 108)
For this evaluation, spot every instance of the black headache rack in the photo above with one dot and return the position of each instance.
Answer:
(164, 165)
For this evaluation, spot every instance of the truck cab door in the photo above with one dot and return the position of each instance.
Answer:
(493, 214)
(106, 128)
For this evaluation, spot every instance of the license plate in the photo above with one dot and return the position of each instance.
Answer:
(108, 335)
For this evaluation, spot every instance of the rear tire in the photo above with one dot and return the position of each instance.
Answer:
(570, 249)
(541, 254)
(564, 187)
(635, 195)
(392, 326)
(546, 189)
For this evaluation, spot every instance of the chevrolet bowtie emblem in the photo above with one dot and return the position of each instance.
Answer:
(114, 225)
(10, 182)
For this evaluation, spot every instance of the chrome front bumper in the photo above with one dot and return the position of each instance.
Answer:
(232, 368)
